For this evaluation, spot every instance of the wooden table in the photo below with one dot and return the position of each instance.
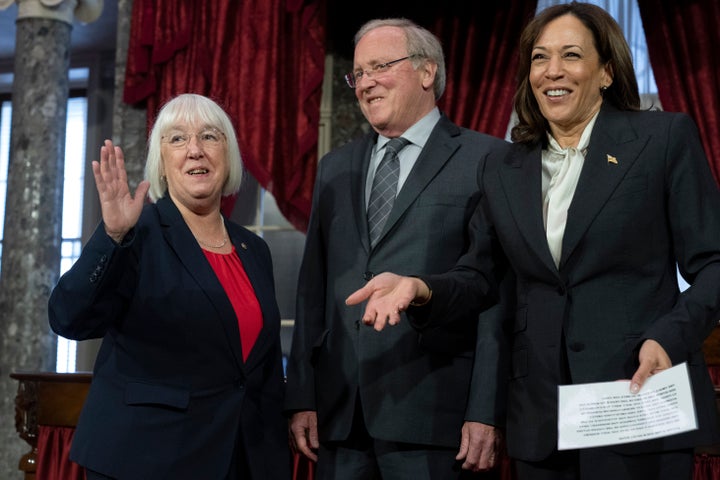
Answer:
(44, 398)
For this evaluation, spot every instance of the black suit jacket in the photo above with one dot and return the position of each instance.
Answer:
(170, 393)
(415, 387)
(645, 200)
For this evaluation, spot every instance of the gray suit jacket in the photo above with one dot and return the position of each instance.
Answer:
(415, 387)
(645, 201)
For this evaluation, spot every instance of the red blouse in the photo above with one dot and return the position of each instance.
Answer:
(232, 276)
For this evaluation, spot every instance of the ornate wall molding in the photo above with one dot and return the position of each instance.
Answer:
(63, 10)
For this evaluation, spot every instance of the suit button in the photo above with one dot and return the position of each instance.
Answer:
(577, 346)
(561, 290)
(367, 276)
(357, 324)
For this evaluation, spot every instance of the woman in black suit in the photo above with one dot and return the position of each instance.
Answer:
(188, 382)
(594, 209)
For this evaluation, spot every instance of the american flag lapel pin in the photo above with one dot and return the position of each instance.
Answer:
(612, 159)
(243, 246)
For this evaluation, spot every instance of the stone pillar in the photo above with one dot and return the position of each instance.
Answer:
(129, 121)
(32, 233)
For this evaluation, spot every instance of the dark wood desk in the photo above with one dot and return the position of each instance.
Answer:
(44, 398)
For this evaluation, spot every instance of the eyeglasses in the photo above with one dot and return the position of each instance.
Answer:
(353, 78)
(208, 138)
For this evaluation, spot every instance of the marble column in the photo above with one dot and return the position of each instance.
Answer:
(32, 232)
(129, 121)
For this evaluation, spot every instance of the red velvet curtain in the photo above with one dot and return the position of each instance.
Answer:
(263, 62)
(683, 40)
(480, 43)
(707, 467)
(53, 450)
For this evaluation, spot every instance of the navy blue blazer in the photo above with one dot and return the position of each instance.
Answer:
(645, 205)
(170, 394)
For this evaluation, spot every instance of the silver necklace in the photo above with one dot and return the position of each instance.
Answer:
(221, 244)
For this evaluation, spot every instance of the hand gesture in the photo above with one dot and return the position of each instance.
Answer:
(388, 294)
(120, 211)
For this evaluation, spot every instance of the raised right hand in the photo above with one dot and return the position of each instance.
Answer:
(120, 210)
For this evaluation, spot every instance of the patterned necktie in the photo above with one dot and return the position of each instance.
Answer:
(384, 188)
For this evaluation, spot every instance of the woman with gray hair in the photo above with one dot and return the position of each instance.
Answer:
(188, 382)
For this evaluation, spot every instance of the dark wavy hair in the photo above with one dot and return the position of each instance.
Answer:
(612, 49)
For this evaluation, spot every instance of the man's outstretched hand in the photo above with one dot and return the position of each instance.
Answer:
(387, 295)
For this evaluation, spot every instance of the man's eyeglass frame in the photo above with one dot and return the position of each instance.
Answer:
(353, 78)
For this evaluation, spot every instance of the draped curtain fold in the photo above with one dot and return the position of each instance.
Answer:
(706, 467)
(480, 43)
(263, 62)
(683, 39)
(53, 450)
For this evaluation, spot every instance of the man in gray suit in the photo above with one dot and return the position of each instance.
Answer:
(400, 404)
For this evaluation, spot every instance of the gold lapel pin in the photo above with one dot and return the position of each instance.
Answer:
(612, 159)
(243, 246)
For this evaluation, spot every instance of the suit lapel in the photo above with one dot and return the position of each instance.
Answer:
(359, 165)
(521, 178)
(440, 146)
(181, 240)
(614, 147)
(264, 291)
